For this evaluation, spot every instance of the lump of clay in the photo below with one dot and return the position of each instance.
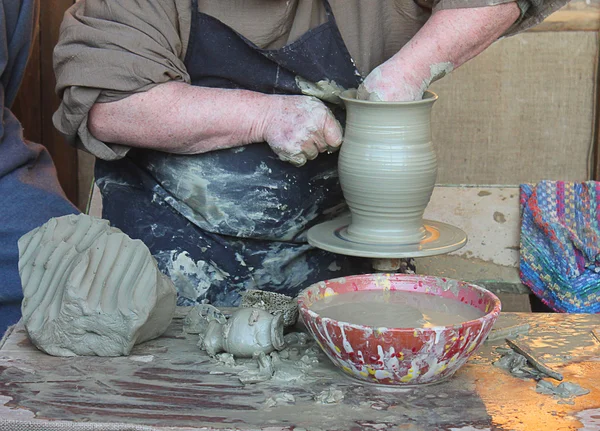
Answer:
(89, 289)
(274, 303)
(247, 332)
(562, 390)
(329, 396)
(200, 316)
(264, 373)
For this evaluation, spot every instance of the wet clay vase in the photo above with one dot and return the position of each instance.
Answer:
(387, 168)
(246, 332)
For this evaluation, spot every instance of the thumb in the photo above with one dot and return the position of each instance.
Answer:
(332, 132)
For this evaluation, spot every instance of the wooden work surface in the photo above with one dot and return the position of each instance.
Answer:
(169, 382)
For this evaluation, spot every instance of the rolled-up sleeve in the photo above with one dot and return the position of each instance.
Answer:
(108, 50)
(532, 11)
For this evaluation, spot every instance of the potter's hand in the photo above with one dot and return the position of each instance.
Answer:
(388, 83)
(298, 128)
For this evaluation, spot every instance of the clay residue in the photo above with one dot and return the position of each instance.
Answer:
(326, 90)
(291, 365)
(436, 71)
(565, 390)
(329, 396)
(200, 316)
(264, 372)
(439, 70)
(282, 399)
(517, 365)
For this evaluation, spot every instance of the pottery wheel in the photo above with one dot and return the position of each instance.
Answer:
(332, 236)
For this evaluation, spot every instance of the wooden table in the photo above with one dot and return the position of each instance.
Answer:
(169, 383)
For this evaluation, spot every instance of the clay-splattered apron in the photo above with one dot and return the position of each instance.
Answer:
(230, 220)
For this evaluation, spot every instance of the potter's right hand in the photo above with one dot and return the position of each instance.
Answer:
(298, 128)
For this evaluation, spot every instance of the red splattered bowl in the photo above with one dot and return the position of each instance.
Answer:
(399, 356)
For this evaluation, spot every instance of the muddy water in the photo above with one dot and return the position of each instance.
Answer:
(395, 309)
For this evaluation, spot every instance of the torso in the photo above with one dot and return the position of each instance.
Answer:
(373, 30)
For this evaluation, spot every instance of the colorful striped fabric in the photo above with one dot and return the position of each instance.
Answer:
(560, 244)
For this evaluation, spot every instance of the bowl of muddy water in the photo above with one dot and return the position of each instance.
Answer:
(398, 329)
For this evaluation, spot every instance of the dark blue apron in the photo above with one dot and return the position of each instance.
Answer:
(230, 220)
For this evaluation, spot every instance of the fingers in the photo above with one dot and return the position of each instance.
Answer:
(303, 130)
(310, 149)
(326, 140)
(295, 159)
(332, 132)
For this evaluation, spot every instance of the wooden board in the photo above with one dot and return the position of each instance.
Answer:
(169, 382)
(65, 157)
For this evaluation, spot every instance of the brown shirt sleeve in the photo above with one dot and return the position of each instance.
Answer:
(109, 49)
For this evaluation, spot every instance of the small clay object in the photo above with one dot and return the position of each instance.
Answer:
(197, 320)
(282, 399)
(246, 332)
(562, 390)
(329, 396)
(226, 359)
(296, 338)
(264, 373)
(517, 365)
(89, 289)
(325, 90)
(274, 303)
(536, 363)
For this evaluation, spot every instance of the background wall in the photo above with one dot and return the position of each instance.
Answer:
(522, 111)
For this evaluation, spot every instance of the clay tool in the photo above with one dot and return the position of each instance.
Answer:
(509, 331)
(536, 363)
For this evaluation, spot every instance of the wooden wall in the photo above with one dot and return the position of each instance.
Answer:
(37, 100)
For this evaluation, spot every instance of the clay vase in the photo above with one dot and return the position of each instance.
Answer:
(246, 332)
(387, 168)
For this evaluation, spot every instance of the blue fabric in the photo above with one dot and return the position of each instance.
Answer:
(29, 190)
(231, 220)
(560, 244)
